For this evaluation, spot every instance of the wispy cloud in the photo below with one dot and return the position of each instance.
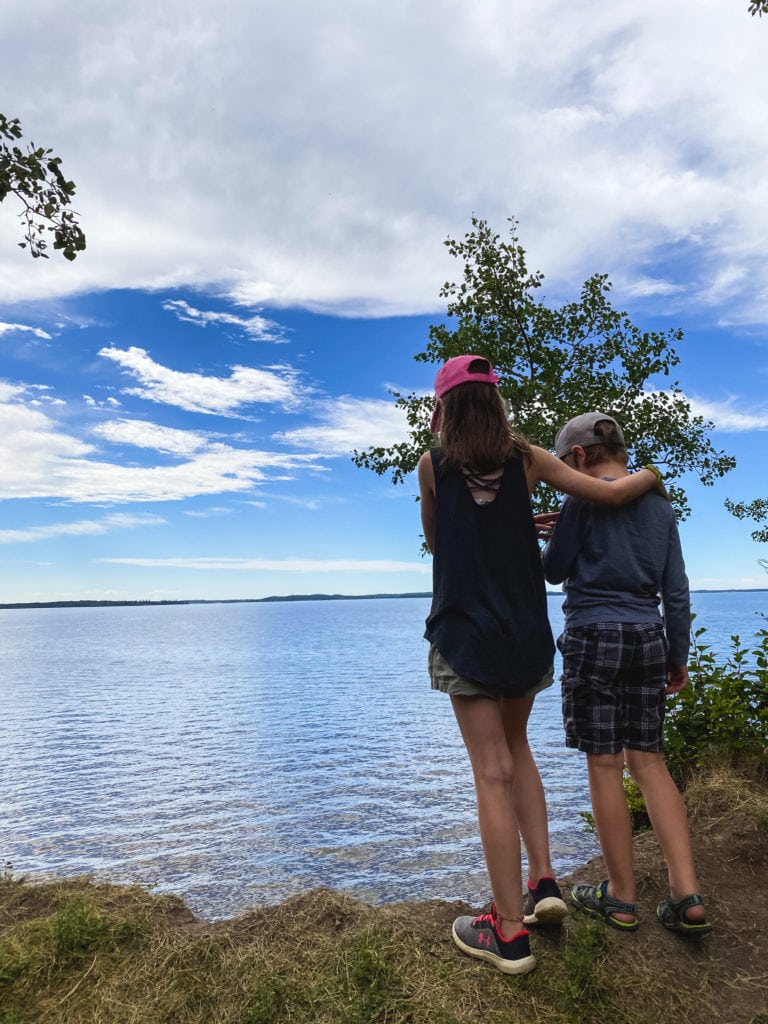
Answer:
(38, 459)
(348, 424)
(290, 565)
(37, 331)
(82, 528)
(153, 436)
(730, 417)
(106, 403)
(646, 287)
(209, 513)
(311, 504)
(257, 327)
(215, 396)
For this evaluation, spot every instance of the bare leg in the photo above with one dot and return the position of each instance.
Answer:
(528, 792)
(670, 823)
(482, 728)
(614, 828)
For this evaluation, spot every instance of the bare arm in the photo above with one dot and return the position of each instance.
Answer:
(427, 494)
(544, 467)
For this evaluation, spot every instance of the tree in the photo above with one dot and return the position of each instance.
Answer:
(758, 7)
(554, 363)
(756, 510)
(34, 177)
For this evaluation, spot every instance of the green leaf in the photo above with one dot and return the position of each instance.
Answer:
(35, 178)
(556, 361)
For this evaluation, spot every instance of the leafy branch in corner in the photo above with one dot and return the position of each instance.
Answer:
(756, 510)
(34, 176)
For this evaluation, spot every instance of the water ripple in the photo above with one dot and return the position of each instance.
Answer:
(238, 754)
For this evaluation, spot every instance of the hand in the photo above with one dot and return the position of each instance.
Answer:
(545, 523)
(677, 677)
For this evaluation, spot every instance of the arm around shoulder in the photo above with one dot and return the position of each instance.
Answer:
(545, 467)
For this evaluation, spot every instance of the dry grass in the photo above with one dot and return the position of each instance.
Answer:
(722, 792)
(75, 952)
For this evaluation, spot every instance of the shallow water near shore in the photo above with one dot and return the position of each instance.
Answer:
(238, 754)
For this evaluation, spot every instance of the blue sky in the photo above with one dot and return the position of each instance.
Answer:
(265, 190)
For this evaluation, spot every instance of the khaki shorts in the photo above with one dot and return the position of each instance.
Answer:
(447, 681)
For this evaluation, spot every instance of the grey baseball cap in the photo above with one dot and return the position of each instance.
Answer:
(581, 430)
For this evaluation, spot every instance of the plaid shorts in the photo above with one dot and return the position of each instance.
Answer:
(614, 676)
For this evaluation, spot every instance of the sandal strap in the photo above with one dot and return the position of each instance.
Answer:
(694, 900)
(611, 904)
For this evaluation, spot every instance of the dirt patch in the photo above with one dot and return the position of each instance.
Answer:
(731, 965)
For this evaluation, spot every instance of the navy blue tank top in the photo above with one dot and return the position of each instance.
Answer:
(489, 604)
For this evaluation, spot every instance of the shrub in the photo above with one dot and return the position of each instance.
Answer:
(721, 717)
(720, 720)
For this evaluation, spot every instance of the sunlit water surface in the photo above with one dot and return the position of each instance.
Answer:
(237, 754)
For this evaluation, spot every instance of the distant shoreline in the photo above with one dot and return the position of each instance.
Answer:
(218, 600)
(292, 598)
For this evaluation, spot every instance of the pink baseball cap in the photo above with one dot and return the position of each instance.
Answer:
(460, 370)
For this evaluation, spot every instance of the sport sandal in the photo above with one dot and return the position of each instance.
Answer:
(595, 900)
(672, 916)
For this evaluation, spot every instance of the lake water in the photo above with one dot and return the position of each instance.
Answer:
(237, 754)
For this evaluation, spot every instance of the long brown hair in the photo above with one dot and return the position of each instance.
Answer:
(475, 431)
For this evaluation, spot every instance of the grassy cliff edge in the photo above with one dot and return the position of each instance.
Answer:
(79, 952)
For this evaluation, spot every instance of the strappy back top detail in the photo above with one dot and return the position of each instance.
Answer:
(489, 604)
(483, 487)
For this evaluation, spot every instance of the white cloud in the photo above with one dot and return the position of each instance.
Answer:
(195, 392)
(728, 417)
(301, 153)
(152, 435)
(346, 424)
(210, 513)
(8, 392)
(40, 460)
(257, 327)
(37, 331)
(646, 287)
(291, 565)
(311, 504)
(106, 403)
(82, 528)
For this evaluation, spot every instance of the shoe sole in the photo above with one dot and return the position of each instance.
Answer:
(549, 911)
(670, 916)
(688, 929)
(522, 966)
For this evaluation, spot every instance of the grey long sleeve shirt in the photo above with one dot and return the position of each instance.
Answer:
(618, 564)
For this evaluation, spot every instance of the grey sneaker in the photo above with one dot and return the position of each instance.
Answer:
(480, 937)
(544, 904)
